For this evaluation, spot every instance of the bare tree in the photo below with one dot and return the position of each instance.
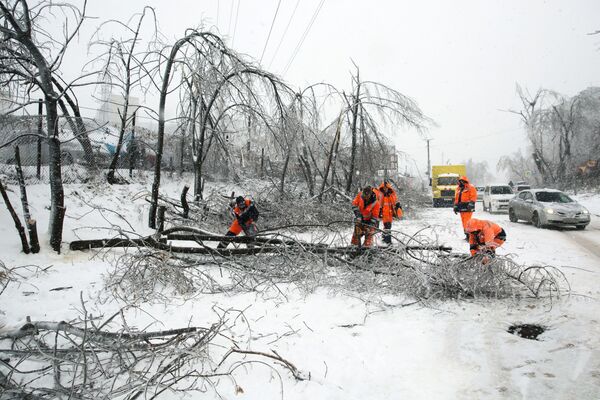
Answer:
(125, 68)
(220, 83)
(32, 55)
(563, 132)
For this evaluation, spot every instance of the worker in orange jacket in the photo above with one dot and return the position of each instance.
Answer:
(464, 201)
(389, 208)
(245, 214)
(366, 213)
(484, 237)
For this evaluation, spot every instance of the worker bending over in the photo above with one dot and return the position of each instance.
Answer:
(484, 237)
(245, 215)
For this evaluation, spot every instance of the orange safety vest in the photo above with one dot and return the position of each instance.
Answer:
(368, 211)
(466, 194)
(387, 203)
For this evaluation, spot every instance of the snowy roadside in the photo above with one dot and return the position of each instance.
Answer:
(591, 201)
(352, 349)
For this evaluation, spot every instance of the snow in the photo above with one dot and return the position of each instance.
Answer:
(352, 349)
(591, 201)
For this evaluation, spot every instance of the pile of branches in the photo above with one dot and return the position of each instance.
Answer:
(85, 359)
(184, 261)
(276, 213)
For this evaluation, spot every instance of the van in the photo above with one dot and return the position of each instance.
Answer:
(496, 198)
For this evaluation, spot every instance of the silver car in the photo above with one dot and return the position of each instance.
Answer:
(547, 207)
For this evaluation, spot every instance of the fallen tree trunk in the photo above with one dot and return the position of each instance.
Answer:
(268, 245)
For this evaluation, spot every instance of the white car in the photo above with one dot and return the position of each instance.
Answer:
(496, 198)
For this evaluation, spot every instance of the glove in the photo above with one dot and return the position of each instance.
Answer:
(455, 209)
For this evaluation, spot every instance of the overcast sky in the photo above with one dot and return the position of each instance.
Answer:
(460, 60)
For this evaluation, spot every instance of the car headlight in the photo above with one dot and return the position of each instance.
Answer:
(585, 211)
(549, 211)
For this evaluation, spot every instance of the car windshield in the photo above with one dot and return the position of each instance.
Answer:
(501, 190)
(523, 187)
(448, 180)
(553, 197)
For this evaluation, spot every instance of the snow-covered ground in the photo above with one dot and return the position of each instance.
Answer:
(353, 350)
(591, 202)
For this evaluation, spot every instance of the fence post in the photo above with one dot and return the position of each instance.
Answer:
(38, 172)
(133, 147)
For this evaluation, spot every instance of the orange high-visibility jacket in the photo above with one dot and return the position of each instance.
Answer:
(483, 233)
(370, 210)
(466, 194)
(236, 209)
(387, 203)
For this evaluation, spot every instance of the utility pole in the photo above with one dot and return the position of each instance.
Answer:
(428, 160)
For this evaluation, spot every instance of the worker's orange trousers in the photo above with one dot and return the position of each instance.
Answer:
(465, 216)
(361, 230)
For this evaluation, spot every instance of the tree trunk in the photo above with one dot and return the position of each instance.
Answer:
(356, 99)
(336, 139)
(57, 197)
(132, 148)
(161, 128)
(110, 177)
(18, 225)
(80, 130)
(30, 222)
(184, 203)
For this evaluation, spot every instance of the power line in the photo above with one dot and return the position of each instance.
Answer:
(237, 12)
(284, 33)
(304, 35)
(230, 17)
(270, 30)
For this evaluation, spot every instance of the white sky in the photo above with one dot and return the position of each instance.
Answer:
(460, 60)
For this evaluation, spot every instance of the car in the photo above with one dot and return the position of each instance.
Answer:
(496, 198)
(480, 190)
(548, 207)
(522, 186)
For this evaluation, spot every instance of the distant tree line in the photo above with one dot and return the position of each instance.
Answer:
(564, 139)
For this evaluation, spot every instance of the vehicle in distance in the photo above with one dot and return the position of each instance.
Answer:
(480, 190)
(444, 181)
(547, 207)
(496, 198)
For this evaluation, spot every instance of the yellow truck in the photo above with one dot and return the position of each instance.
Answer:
(444, 181)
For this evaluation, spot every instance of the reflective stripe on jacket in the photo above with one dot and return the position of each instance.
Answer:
(387, 203)
(370, 210)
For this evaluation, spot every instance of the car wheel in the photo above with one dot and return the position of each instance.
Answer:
(512, 216)
(535, 220)
(580, 227)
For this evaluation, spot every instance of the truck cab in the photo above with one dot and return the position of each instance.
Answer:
(444, 181)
